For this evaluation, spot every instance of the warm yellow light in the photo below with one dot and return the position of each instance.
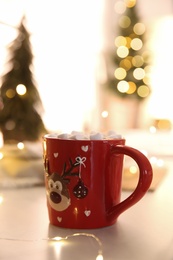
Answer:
(139, 28)
(146, 80)
(20, 146)
(120, 73)
(99, 257)
(132, 87)
(104, 114)
(163, 124)
(153, 129)
(137, 61)
(21, 89)
(123, 86)
(10, 93)
(120, 7)
(124, 21)
(143, 91)
(139, 73)
(126, 64)
(120, 41)
(136, 44)
(133, 169)
(160, 162)
(128, 42)
(130, 3)
(122, 51)
(58, 238)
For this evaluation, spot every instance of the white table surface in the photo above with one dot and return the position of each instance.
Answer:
(144, 232)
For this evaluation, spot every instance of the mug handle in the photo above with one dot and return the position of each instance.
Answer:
(144, 182)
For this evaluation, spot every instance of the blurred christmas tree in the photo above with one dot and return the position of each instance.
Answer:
(19, 98)
(130, 63)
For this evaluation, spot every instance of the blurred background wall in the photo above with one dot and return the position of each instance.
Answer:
(70, 40)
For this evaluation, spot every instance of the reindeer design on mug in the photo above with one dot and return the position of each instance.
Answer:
(57, 190)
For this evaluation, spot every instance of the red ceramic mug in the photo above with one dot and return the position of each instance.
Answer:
(83, 181)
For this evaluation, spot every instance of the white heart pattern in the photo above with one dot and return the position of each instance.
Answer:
(87, 213)
(84, 148)
(55, 155)
(59, 219)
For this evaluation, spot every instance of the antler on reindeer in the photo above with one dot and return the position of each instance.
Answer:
(68, 172)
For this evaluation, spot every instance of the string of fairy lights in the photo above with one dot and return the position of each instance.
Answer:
(132, 74)
(60, 241)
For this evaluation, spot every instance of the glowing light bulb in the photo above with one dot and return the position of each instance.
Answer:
(123, 86)
(120, 41)
(132, 87)
(99, 257)
(105, 114)
(136, 44)
(57, 238)
(21, 89)
(20, 146)
(133, 169)
(120, 73)
(122, 51)
(160, 162)
(139, 28)
(130, 3)
(143, 91)
(153, 160)
(126, 64)
(152, 129)
(124, 21)
(139, 73)
(120, 7)
(10, 93)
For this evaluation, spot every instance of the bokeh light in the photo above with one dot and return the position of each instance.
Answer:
(143, 91)
(137, 61)
(136, 44)
(21, 89)
(124, 21)
(120, 41)
(132, 87)
(130, 3)
(126, 63)
(123, 86)
(122, 51)
(10, 93)
(120, 73)
(120, 7)
(139, 28)
(139, 73)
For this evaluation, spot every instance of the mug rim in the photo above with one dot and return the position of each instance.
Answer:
(55, 137)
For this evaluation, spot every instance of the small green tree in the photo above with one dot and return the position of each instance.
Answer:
(130, 60)
(19, 97)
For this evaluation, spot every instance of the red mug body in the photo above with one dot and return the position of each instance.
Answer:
(83, 181)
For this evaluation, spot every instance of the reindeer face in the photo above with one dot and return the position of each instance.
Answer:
(57, 192)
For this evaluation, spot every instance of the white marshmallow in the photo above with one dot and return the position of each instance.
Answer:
(76, 135)
(115, 136)
(96, 136)
(63, 136)
(80, 137)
